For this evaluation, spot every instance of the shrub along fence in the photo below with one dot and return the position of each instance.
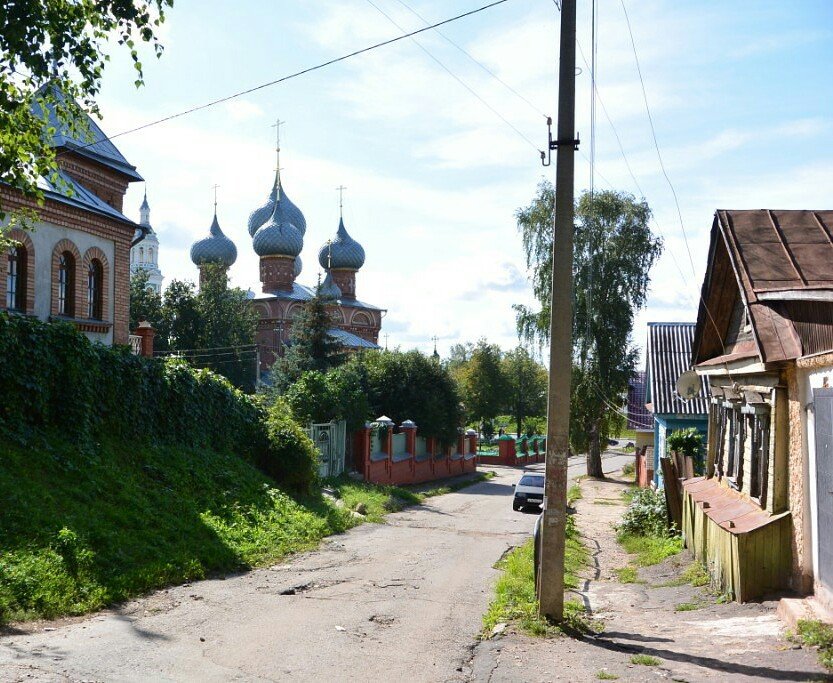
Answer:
(521, 452)
(53, 380)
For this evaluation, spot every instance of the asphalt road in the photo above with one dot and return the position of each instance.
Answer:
(400, 601)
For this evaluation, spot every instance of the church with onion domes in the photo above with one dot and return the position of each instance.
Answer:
(277, 229)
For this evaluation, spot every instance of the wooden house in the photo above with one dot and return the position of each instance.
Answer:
(762, 517)
(667, 356)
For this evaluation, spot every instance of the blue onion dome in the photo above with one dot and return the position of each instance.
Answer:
(297, 266)
(342, 252)
(262, 214)
(278, 237)
(216, 248)
(329, 289)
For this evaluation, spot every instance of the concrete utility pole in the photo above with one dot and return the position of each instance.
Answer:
(551, 574)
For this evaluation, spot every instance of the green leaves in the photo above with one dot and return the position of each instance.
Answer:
(60, 42)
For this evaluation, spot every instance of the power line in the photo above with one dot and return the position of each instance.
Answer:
(654, 136)
(475, 60)
(296, 74)
(455, 76)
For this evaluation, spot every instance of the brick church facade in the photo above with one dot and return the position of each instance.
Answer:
(74, 265)
(277, 229)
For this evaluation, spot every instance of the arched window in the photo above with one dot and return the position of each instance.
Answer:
(16, 279)
(66, 285)
(141, 254)
(95, 290)
(150, 255)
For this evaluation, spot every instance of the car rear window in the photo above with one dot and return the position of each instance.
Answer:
(532, 480)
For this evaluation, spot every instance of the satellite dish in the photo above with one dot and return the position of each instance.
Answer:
(688, 385)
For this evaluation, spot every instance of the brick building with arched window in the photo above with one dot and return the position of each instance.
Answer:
(74, 264)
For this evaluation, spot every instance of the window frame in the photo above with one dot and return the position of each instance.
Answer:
(95, 290)
(66, 284)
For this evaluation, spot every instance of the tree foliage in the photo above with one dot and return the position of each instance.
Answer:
(211, 327)
(483, 382)
(614, 250)
(62, 43)
(311, 346)
(526, 386)
(145, 303)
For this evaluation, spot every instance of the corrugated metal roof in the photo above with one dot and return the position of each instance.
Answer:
(95, 145)
(667, 356)
(780, 261)
(351, 340)
(71, 192)
(303, 293)
(638, 415)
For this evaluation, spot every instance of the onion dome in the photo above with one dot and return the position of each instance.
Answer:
(329, 289)
(262, 214)
(297, 266)
(342, 252)
(278, 237)
(216, 248)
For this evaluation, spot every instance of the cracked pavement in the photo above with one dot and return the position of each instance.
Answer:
(400, 601)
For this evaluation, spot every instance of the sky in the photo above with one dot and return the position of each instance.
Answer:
(741, 96)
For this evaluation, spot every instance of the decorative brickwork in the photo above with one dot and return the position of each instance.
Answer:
(26, 269)
(346, 281)
(75, 290)
(277, 273)
(94, 253)
(104, 182)
(119, 232)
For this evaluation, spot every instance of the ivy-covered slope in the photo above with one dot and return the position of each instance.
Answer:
(83, 529)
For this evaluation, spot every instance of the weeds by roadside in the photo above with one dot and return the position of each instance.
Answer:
(606, 676)
(695, 574)
(515, 600)
(374, 501)
(815, 633)
(645, 660)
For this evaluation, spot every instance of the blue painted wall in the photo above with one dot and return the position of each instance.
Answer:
(664, 425)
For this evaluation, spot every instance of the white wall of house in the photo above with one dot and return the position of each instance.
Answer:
(809, 379)
(44, 237)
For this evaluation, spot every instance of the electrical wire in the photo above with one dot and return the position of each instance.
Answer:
(456, 77)
(475, 60)
(296, 74)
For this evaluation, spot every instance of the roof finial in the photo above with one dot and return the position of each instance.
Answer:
(341, 189)
(277, 126)
(215, 198)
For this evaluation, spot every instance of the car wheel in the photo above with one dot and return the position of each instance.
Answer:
(516, 506)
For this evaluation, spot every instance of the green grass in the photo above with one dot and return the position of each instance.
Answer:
(650, 550)
(695, 575)
(83, 530)
(628, 575)
(515, 600)
(377, 500)
(629, 493)
(817, 634)
(573, 494)
(687, 606)
(629, 469)
(605, 676)
(645, 660)
(606, 501)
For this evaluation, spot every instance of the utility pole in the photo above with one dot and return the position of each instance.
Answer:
(551, 574)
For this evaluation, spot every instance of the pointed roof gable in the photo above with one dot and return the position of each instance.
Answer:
(774, 268)
(95, 145)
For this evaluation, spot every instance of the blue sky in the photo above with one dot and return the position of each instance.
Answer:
(741, 95)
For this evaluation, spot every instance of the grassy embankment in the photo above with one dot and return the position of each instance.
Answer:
(82, 530)
(515, 601)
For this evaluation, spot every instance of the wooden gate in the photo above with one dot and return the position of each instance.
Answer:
(823, 402)
(330, 438)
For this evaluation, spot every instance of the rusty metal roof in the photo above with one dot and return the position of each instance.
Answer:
(781, 262)
(667, 356)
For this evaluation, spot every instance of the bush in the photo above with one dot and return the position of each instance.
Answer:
(646, 515)
(53, 378)
(291, 457)
(685, 441)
